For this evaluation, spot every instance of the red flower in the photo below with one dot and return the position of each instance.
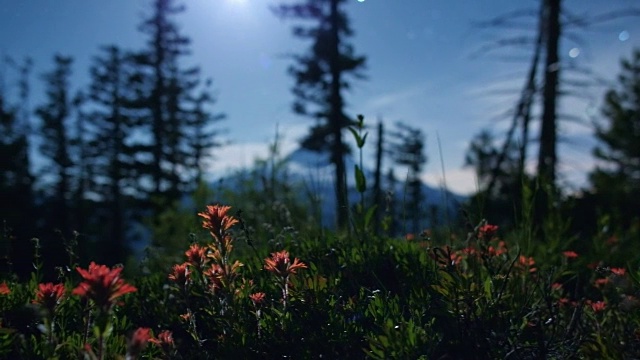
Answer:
(4, 289)
(469, 251)
(197, 256)
(528, 262)
(409, 237)
(164, 340)
(455, 258)
(501, 249)
(598, 306)
(487, 231)
(49, 296)
(602, 281)
(102, 285)
(280, 264)
(216, 275)
(570, 254)
(138, 342)
(563, 301)
(619, 271)
(257, 298)
(217, 220)
(181, 274)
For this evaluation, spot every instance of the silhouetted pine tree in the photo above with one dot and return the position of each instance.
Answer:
(617, 179)
(58, 178)
(321, 76)
(83, 177)
(407, 149)
(498, 176)
(16, 191)
(163, 88)
(55, 115)
(112, 157)
(202, 136)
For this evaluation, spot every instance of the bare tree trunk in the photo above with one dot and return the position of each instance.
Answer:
(547, 158)
(336, 121)
(523, 109)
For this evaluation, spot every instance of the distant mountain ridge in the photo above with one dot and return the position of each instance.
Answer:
(315, 171)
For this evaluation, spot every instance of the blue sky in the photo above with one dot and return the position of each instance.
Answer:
(421, 67)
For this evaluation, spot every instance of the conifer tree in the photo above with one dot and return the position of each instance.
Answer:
(18, 217)
(408, 150)
(202, 136)
(164, 87)
(55, 115)
(112, 157)
(617, 179)
(321, 76)
(16, 226)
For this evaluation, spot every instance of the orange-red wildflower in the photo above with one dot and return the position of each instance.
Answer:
(138, 342)
(4, 289)
(499, 250)
(601, 282)
(280, 264)
(570, 254)
(409, 237)
(618, 271)
(455, 257)
(527, 262)
(49, 296)
(181, 274)
(102, 285)
(216, 275)
(164, 340)
(487, 231)
(566, 302)
(197, 256)
(469, 251)
(257, 298)
(217, 221)
(597, 306)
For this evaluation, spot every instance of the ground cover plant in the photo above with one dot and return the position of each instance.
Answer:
(475, 294)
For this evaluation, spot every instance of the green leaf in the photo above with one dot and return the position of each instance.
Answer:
(369, 215)
(487, 287)
(364, 138)
(355, 136)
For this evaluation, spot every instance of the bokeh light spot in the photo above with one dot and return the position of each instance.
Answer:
(574, 53)
(624, 35)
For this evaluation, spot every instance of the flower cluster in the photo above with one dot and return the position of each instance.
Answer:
(280, 264)
(164, 341)
(486, 231)
(138, 342)
(49, 296)
(4, 289)
(102, 285)
(217, 221)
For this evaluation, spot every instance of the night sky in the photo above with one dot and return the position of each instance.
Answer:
(424, 67)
